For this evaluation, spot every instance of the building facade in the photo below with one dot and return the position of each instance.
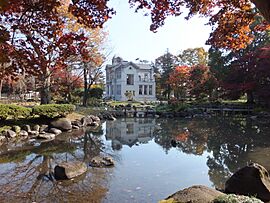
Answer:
(130, 81)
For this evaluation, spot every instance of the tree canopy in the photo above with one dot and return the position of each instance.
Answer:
(230, 19)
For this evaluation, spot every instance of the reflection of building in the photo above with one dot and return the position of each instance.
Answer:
(130, 81)
(129, 131)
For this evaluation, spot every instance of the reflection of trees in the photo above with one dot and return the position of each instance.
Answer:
(28, 176)
(166, 130)
(229, 140)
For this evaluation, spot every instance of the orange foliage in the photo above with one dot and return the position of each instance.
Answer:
(230, 19)
(179, 77)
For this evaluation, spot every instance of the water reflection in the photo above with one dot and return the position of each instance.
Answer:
(27, 171)
(130, 131)
(149, 166)
(233, 142)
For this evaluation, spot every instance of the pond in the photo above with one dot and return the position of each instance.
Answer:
(149, 166)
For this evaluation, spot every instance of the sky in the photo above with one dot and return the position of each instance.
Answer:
(130, 37)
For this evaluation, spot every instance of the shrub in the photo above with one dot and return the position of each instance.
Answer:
(13, 111)
(96, 92)
(53, 110)
(94, 102)
(172, 106)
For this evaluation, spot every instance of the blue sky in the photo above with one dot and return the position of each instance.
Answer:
(130, 37)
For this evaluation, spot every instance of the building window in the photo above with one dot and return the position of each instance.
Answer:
(145, 77)
(112, 90)
(118, 89)
(130, 79)
(108, 89)
(150, 89)
(118, 74)
(140, 89)
(140, 78)
(145, 90)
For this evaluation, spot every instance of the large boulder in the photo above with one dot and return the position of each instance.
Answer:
(62, 123)
(194, 194)
(69, 170)
(250, 180)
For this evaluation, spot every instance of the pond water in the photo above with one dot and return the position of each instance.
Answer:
(149, 166)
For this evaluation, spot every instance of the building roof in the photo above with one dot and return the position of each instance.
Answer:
(123, 64)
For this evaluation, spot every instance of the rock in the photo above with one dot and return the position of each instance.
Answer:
(75, 127)
(236, 198)
(86, 121)
(69, 170)
(55, 131)
(47, 136)
(36, 128)
(108, 116)
(43, 128)
(33, 133)
(251, 180)
(99, 161)
(95, 118)
(23, 133)
(27, 128)
(94, 123)
(10, 134)
(16, 129)
(2, 138)
(77, 123)
(62, 123)
(194, 194)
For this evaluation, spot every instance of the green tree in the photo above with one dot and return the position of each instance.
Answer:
(193, 56)
(166, 64)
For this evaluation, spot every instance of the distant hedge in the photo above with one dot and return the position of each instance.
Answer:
(13, 111)
(53, 110)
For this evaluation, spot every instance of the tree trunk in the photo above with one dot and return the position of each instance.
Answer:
(169, 92)
(45, 94)
(1, 85)
(85, 93)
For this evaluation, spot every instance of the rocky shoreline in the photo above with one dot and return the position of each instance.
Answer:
(250, 184)
(52, 128)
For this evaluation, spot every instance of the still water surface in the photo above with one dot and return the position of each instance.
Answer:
(148, 165)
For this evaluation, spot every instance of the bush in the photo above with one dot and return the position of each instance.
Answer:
(232, 198)
(172, 106)
(53, 110)
(96, 92)
(13, 111)
(94, 102)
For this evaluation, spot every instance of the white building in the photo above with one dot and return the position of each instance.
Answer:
(130, 81)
